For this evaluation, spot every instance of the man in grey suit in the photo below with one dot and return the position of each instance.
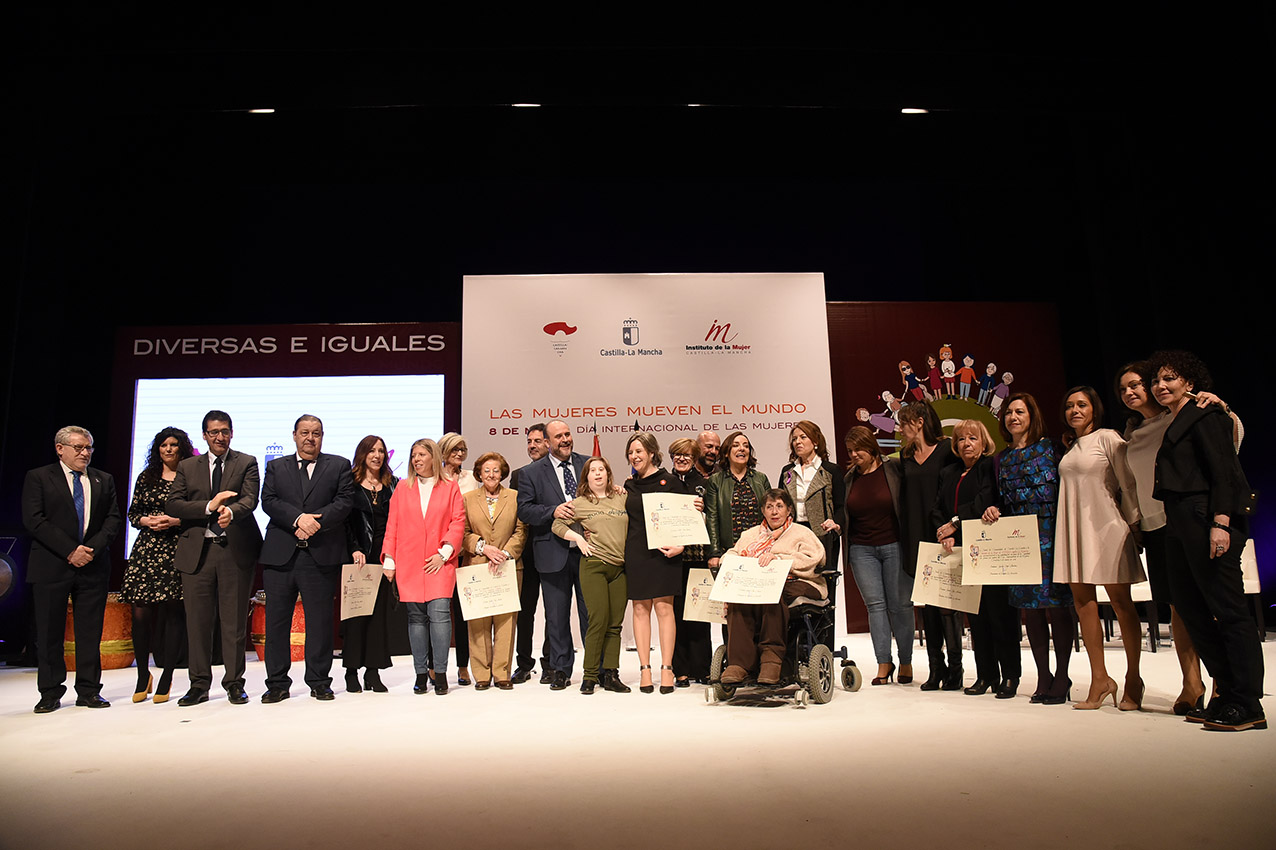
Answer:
(214, 496)
(545, 490)
(307, 496)
(72, 515)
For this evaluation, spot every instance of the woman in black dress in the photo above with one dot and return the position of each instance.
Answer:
(654, 574)
(693, 646)
(151, 584)
(925, 454)
(366, 640)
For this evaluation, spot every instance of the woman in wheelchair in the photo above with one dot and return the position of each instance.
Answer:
(758, 632)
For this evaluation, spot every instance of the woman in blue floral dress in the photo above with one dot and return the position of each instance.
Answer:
(1028, 483)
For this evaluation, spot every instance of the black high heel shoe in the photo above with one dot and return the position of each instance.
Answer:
(666, 689)
(1007, 689)
(646, 689)
(954, 679)
(886, 680)
(1044, 684)
(1057, 695)
(352, 682)
(937, 675)
(981, 687)
(372, 681)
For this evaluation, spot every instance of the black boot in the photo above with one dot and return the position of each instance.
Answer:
(952, 639)
(938, 672)
(611, 682)
(422, 683)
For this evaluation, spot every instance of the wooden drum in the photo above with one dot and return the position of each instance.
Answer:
(257, 628)
(117, 635)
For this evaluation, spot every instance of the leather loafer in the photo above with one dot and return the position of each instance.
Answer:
(193, 697)
(505, 686)
(560, 681)
(275, 695)
(587, 686)
(1236, 718)
(482, 686)
(682, 683)
(94, 701)
(48, 705)
(547, 676)
(236, 695)
(324, 694)
(520, 676)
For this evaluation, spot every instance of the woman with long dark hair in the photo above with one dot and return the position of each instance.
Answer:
(366, 640)
(924, 455)
(1095, 541)
(152, 585)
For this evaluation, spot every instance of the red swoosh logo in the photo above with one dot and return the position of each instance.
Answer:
(554, 327)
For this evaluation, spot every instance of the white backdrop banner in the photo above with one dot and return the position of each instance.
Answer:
(676, 353)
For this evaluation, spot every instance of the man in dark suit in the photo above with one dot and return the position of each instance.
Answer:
(307, 496)
(72, 516)
(214, 495)
(545, 490)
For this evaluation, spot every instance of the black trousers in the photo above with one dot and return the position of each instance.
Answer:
(529, 596)
(87, 592)
(216, 593)
(317, 584)
(994, 636)
(693, 644)
(1209, 596)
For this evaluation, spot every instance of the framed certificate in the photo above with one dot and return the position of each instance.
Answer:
(1007, 551)
(485, 595)
(672, 520)
(699, 607)
(359, 587)
(745, 581)
(938, 580)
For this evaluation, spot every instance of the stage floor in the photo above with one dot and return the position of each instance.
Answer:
(883, 767)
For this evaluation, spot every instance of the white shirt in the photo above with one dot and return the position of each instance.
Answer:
(425, 488)
(558, 470)
(68, 473)
(804, 475)
(208, 509)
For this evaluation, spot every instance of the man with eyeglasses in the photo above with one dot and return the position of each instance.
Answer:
(214, 495)
(72, 516)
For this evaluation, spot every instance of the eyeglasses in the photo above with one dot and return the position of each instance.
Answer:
(220, 432)
(84, 449)
(682, 457)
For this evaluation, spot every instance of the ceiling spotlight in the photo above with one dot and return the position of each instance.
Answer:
(912, 110)
(524, 104)
(261, 112)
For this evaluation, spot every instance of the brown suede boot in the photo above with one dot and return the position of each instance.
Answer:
(769, 674)
(734, 675)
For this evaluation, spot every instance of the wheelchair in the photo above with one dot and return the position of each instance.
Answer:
(807, 673)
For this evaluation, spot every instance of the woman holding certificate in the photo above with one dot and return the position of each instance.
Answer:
(655, 575)
(422, 539)
(494, 535)
(925, 454)
(366, 640)
(600, 509)
(756, 634)
(692, 645)
(1207, 507)
(1027, 484)
(873, 487)
(452, 454)
(733, 500)
(966, 490)
(1095, 542)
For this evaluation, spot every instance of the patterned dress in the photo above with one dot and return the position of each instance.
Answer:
(1028, 483)
(149, 576)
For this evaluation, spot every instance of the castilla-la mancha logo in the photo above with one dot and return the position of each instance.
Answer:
(629, 332)
(559, 343)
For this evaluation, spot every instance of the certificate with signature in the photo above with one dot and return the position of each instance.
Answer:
(745, 581)
(672, 520)
(699, 607)
(938, 580)
(1007, 551)
(485, 595)
(359, 588)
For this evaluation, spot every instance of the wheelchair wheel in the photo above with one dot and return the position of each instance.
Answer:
(852, 678)
(821, 680)
(716, 666)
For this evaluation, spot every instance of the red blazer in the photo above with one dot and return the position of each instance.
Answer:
(410, 539)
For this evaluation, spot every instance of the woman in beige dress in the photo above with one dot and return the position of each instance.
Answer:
(1095, 540)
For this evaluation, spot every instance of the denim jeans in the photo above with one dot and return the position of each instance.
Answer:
(430, 634)
(880, 577)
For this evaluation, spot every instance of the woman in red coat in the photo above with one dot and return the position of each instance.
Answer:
(422, 539)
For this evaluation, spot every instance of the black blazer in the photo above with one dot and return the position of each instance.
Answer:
(188, 501)
(826, 497)
(359, 535)
(539, 493)
(48, 514)
(978, 492)
(285, 497)
(1197, 457)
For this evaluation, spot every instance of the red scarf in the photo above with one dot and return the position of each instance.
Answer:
(764, 543)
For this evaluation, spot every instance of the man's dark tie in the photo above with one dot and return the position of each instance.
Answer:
(305, 476)
(77, 494)
(217, 488)
(569, 480)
